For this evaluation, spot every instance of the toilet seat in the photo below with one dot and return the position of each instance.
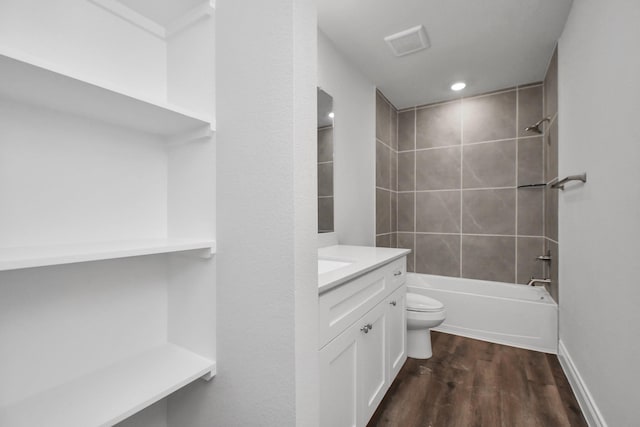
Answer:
(422, 303)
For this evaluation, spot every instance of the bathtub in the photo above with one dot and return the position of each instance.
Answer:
(503, 313)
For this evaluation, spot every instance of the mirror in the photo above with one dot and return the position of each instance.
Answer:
(325, 162)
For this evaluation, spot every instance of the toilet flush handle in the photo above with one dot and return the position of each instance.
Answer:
(397, 273)
(393, 303)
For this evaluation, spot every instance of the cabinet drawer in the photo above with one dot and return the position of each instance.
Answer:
(342, 306)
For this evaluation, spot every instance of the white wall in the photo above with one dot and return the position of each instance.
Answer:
(354, 168)
(87, 40)
(266, 260)
(599, 224)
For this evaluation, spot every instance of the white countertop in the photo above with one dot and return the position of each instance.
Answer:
(362, 259)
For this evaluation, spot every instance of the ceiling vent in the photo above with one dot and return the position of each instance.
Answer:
(408, 41)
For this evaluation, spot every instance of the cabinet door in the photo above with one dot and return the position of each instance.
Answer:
(372, 362)
(339, 380)
(397, 331)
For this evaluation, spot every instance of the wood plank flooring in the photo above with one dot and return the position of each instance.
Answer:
(471, 383)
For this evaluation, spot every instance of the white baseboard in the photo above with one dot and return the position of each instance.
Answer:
(585, 400)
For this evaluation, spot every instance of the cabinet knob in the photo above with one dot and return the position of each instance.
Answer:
(393, 303)
(397, 273)
(365, 329)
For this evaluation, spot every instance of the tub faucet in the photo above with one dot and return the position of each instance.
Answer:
(533, 281)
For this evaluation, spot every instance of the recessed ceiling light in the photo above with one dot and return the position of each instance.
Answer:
(331, 115)
(458, 86)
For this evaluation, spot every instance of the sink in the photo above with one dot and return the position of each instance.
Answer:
(327, 265)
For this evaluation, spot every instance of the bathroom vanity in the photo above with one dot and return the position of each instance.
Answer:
(362, 337)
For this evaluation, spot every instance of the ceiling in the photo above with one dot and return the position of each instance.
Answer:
(162, 11)
(489, 44)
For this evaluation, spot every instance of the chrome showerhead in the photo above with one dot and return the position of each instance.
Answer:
(536, 128)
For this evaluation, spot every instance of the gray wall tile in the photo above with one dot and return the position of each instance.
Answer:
(383, 241)
(406, 211)
(528, 249)
(394, 212)
(530, 161)
(325, 145)
(438, 182)
(489, 117)
(438, 169)
(394, 128)
(551, 213)
(438, 211)
(489, 211)
(325, 213)
(489, 258)
(383, 211)
(325, 179)
(492, 164)
(383, 166)
(394, 171)
(383, 119)
(438, 254)
(406, 241)
(406, 171)
(530, 211)
(438, 125)
(552, 270)
(529, 108)
(407, 130)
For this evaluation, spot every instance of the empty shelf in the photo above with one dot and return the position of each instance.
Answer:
(39, 256)
(110, 395)
(29, 80)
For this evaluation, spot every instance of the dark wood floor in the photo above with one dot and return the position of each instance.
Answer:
(474, 383)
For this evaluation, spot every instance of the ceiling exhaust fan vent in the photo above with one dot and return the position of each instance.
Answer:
(408, 41)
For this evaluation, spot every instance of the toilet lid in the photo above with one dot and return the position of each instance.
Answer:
(416, 302)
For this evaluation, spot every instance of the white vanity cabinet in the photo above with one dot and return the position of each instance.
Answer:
(362, 344)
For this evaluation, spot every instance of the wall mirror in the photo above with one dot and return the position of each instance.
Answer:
(325, 162)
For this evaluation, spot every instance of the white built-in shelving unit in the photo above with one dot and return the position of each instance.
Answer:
(107, 210)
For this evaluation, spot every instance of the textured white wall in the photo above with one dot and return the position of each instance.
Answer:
(599, 104)
(267, 273)
(354, 168)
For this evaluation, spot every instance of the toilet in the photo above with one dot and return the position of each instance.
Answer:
(423, 313)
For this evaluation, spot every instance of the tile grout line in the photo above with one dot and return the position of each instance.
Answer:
(461, 179)
(415, 186)
(517, 183)
(389, 167)
(470, 143)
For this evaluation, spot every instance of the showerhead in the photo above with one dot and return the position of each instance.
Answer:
(536, 128)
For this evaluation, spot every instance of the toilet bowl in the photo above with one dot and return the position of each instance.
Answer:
(423, 313)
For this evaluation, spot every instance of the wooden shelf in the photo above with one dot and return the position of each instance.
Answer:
(30, 80)
(39, 256)
(110, 395)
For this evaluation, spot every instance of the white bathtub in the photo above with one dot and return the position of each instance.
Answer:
(503, 313)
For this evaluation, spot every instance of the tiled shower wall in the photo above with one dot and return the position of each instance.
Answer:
(386, 172)
(551, 172)
(458, 166)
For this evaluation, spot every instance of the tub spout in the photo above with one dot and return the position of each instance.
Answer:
(533, 281)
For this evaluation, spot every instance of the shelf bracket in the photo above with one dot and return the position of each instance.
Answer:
(209, 375)
(203, 132)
